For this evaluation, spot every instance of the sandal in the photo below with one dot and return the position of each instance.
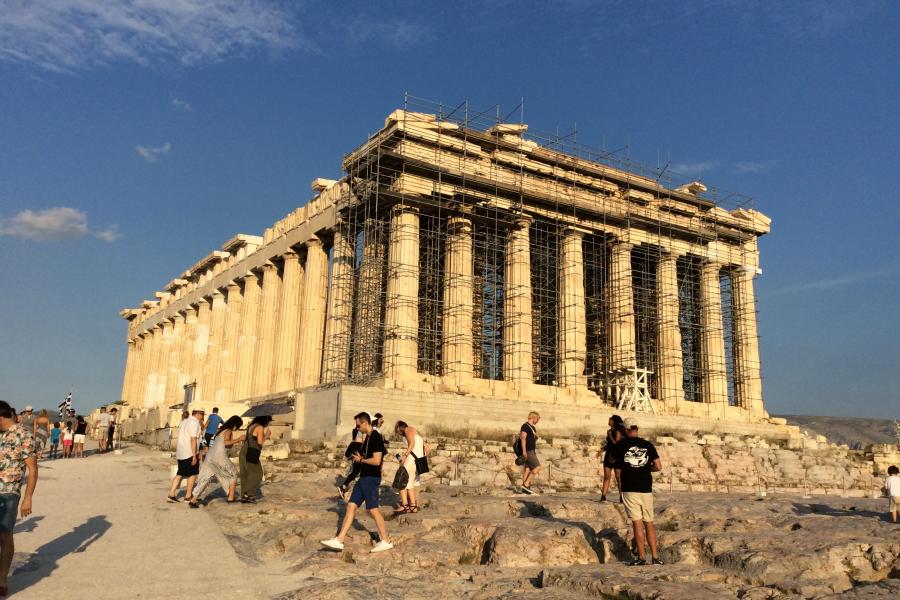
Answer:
(402, 509)
(414, 508)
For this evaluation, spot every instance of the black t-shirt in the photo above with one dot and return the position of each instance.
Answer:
(374, 443)
(81, 428)
(530, 436)
(635, 457)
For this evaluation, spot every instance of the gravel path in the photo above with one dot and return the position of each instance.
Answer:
(101, 528)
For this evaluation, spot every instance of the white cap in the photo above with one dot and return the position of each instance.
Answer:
(630, 424)
(27, 408)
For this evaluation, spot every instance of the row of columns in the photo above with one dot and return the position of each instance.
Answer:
(262, 334)
(401, 314)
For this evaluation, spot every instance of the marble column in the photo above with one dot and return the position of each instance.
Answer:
(312, 315)
(172, 390)
(213, 367)
(130, 361)
(621, 308)
(366, 344)
(715, 381)
(248, 341)
(201, 345)
(572, 312)
(517, 342)
(228, 360)
(135, 383)
(401, 318)
(162, 364)
(458, 353)
(340, 310)
(148, 371)
(186, 374)
(288, 322)
(670, 370)
(748, 383)
(265, 348)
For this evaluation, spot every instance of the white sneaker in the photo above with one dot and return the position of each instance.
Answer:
(381, 546)
(333, 544)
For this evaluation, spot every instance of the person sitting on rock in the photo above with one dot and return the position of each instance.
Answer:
(635, 460)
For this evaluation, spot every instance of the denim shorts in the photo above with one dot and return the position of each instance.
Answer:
(366, 492)
(9, 507)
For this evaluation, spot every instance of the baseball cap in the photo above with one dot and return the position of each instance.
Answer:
(630, 424)
(27, 408)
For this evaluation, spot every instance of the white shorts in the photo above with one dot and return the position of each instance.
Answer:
(79, 438)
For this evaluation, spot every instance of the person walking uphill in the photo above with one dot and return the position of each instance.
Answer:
(187, 453)
(17, 454)
(365, 491)
(212, 425)
(251, 471)
(528, 436)
(636, 459)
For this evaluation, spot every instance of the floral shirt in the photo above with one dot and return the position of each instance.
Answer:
(16, 445)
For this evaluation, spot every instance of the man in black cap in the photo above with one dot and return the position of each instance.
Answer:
(635, 460)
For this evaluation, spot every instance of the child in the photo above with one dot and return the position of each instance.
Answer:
(68, 437)
(892, 487)
(54, 439)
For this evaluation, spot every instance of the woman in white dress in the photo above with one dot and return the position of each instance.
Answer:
(217, 464)
(415, 448)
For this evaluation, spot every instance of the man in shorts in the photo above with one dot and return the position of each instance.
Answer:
(102, 428)
(369, 457)
(528, 436)
(16, 455)
(187, 453)
(635, 460)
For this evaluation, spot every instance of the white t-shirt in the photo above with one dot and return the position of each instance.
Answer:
(103, 419)
(189, 428)
(892, 483)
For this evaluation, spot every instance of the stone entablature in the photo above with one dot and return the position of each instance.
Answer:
(333, 293)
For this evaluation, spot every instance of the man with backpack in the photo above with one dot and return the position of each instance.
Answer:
(527, 456)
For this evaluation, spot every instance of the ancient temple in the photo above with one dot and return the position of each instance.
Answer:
(466, 272)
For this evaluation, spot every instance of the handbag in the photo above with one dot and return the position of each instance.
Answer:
(401, 479)
(421, 464)
(253, 455)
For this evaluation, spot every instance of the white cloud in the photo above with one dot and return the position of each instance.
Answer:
(836, 282)
(753, 168)
(182, 104)
(70, 35)
(152, 154)
(691, 169)
(54, 224)
(395, 32)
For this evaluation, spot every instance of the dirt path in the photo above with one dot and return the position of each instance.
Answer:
(101, 528)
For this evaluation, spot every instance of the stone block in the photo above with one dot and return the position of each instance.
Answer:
(276, 451)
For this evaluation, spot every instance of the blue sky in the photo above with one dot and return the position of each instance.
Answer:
(137, 136)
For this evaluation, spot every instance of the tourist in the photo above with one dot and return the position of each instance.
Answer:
(55, 434)
(41, 433)
(615, 433)
(370, 457)
(68, 438)
(528, 436)
(111, 431)
(81, 428)
(251, 472)
(892, 488)
(217, 464)
(635, 460)
(377, 422)
(17, 455)
(357, 438)
(101, 427)
(26, 419)
(415, 449)
(187, 449)
(212, 425)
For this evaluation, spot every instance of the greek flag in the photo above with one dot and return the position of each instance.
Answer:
(67, 403)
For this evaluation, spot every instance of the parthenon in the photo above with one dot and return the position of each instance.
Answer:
(462, 270)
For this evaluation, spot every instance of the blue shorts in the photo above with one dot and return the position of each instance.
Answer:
(366, 492)
(9, 508)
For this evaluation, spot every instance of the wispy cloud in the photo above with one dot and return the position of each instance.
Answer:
(394, 32)
(694, 168)
(152, 154)
(71, 35)
(182, 104)
(836, 282)
(753, 168)
(54, 224)
(700, 167)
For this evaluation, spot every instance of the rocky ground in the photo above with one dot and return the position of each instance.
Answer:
(488, 542)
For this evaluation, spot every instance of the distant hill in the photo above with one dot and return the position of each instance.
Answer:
(856, 433)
